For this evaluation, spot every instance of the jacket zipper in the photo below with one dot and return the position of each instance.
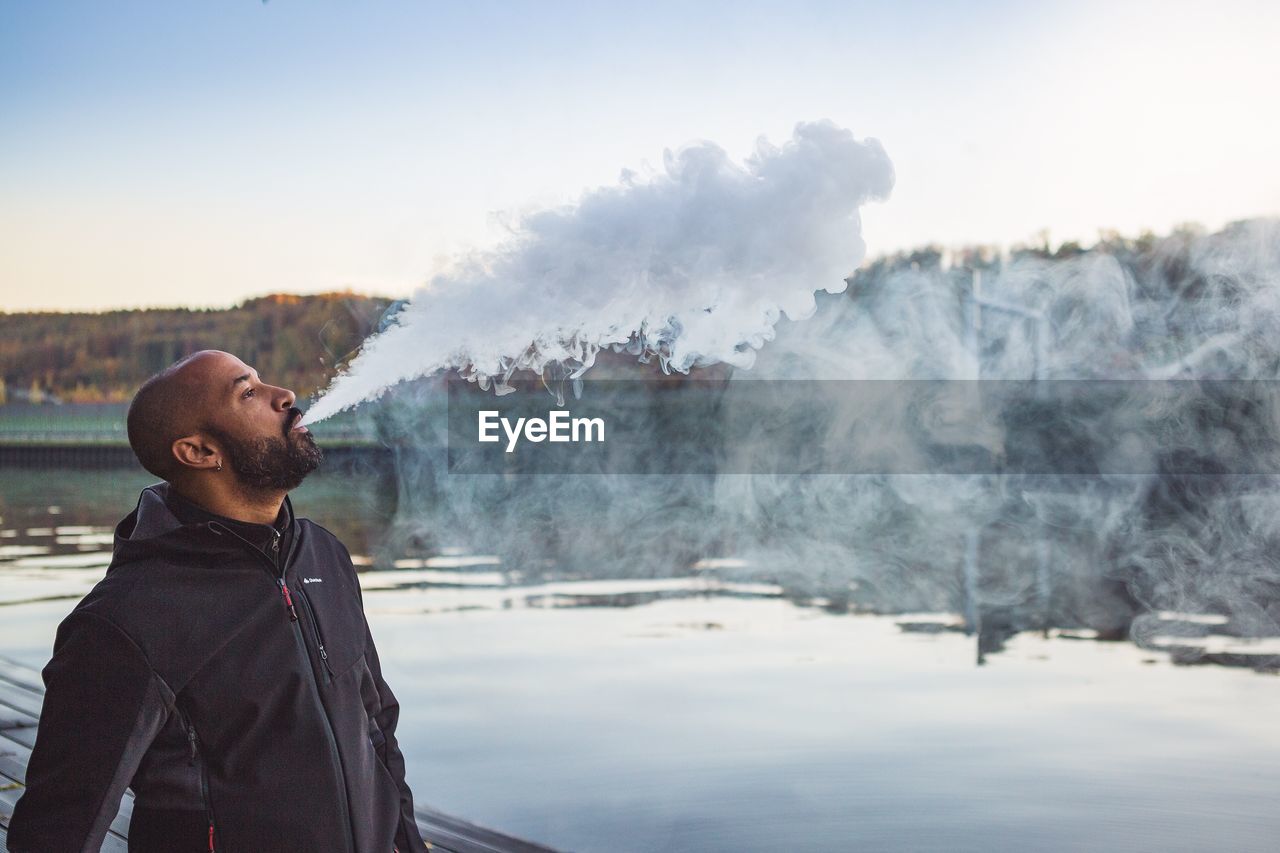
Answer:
(278, 572)
(306, 605)
(284, 587)
(315, 630)
(288, 599)
(205, 799)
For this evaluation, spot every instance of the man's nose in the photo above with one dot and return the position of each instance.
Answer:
(286, 398)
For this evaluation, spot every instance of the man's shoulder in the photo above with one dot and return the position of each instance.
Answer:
(323, 534)
(108, 615)
(110, 598)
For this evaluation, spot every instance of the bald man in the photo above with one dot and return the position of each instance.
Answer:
(223, 668)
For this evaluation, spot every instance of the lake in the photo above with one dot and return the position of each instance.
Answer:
(693, 712)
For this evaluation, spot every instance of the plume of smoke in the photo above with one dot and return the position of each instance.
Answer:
(693, 265)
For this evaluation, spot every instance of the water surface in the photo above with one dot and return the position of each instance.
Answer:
(690, 713)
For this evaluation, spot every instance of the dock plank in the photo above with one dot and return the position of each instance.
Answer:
(20, 675)
(16, 699)
(459, 836)
(11, 768)
(25, 735)
(21, 695)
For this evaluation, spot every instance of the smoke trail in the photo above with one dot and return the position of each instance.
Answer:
(694, 265)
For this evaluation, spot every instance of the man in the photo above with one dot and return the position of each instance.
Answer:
(223, 668)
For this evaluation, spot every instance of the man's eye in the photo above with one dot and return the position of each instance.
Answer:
(247, 394)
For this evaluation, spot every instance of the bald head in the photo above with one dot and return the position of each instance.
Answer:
(167, 407)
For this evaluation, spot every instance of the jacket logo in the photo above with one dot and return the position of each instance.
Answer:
(313, 580)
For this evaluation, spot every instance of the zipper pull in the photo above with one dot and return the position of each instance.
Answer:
(210, 836)
(288, 599)
(275, 542)
(191, 739)
(324, 656)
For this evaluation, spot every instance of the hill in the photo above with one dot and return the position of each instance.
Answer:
(294, 341)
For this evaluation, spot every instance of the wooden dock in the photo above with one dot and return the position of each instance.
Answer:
(21, 696)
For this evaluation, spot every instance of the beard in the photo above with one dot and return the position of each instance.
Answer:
(272, 464)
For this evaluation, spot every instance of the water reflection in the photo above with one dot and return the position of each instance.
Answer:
(57, 551)
(716, 708)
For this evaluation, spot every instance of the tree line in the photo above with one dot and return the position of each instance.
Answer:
(294, 341)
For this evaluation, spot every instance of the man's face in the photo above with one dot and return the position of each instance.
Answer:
(255, 424)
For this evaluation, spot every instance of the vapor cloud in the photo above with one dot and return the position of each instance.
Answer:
(692, 265)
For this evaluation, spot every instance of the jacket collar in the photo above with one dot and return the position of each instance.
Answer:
(152, 530)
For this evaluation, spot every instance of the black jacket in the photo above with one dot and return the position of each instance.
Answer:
(238, 694)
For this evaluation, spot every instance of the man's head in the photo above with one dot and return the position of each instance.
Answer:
(210, 415)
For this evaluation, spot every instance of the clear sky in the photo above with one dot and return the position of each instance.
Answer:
(197, 153)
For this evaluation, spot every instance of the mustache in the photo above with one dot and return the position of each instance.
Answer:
(295, 415)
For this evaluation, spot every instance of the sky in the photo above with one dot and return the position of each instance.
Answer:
(198, 154)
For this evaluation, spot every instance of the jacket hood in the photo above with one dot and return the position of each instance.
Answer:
(152, 530)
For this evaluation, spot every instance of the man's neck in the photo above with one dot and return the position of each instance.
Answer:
(255, 508)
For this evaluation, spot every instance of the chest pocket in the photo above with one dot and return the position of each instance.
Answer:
(330, 598)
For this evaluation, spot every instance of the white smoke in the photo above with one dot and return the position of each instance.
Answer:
(1189, 306)
(695, 265)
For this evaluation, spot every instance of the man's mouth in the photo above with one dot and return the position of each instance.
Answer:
(294, 424)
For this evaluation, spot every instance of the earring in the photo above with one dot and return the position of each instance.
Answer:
(219, 468)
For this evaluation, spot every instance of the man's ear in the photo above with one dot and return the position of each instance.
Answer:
(195, 451)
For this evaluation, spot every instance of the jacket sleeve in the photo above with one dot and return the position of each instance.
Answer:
(103, 706)
(407, 836)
